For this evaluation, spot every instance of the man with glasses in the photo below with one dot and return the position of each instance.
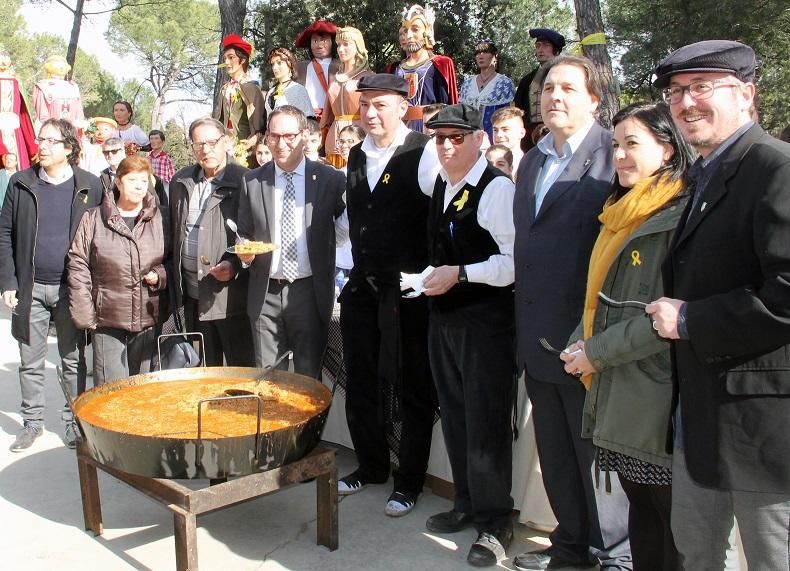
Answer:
(295, 203)
(727, 281)
(42, 209)
(385, 346)
(208, 280)
(114, 152)
(561, 187)
(471, 337)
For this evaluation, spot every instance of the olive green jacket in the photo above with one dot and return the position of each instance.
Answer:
(628, 406)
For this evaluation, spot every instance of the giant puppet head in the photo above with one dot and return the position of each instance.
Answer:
(416, 29)
(57, 67)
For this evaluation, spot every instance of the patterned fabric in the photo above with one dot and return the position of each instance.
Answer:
(162, 166)
(289, 262)
(496, 94)
(633, 469)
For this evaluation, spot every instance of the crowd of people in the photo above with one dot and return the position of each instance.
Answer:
(636, 278)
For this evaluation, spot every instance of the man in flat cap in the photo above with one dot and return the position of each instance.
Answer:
(391, 175)
(318, 72)
(240, 107)
(727, 282)
(548, 44)
(471, 335)
(430, 77)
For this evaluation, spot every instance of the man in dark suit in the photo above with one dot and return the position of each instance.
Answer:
(561, 187)
(727, 279)
(295, 203)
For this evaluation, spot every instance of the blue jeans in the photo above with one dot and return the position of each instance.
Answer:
(50, 301)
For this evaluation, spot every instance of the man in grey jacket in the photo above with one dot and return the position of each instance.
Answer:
(208, 281)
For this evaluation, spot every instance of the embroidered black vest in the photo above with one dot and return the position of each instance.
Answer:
(455, 238)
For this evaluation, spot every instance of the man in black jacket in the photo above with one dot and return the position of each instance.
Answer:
(727, 280)
(42, 209)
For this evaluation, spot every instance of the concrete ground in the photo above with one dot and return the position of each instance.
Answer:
(42, 525)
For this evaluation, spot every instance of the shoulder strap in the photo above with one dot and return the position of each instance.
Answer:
(319, 71)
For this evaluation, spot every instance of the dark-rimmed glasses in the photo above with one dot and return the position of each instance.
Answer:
(48, 140)
(199, 145)
(698, 90)
(456, 138)
(289, 138)
(109, 152)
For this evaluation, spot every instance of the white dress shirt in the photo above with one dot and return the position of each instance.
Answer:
(65, 175)
(494, 214)
(377, 160)
(313, 84)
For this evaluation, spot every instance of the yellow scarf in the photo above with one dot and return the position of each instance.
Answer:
(620, 219)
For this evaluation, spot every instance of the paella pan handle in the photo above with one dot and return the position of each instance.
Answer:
(216, 399)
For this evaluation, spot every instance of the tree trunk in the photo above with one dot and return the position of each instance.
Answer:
(231, 15)
(589, 21)
(71, 53)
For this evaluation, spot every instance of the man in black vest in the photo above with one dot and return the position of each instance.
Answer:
(471, 336)
(390, 177)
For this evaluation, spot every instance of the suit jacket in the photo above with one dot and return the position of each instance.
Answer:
(730, 261)
(324, 187)
(552, 250)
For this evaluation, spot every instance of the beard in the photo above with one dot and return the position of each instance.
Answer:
(413, 47)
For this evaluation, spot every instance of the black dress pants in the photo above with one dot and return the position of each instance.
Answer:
(472, 353)
(226, 341)
(385, 344)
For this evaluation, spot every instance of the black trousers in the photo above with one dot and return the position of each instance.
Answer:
(472, 353)
(385, 345)
(591, 522)
(652, 543)
(227, 341)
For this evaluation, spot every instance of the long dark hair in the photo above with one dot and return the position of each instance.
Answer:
(658, 120)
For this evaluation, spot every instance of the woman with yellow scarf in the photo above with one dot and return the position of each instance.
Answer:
(622, 361)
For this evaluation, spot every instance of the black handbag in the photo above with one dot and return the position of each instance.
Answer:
(175, 350)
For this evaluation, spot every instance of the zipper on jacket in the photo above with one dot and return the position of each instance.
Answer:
(35, 235)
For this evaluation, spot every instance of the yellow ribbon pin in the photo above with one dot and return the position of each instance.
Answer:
(459, 204)
(635, 261)
(85, 199)
(385, 179)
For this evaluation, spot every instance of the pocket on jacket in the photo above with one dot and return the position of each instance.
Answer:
(758, 382)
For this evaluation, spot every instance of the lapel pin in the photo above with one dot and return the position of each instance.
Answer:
(314, 177)
(587, 163)
(386, 178)
(701, 208)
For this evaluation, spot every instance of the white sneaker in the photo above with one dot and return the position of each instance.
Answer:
(400, 503)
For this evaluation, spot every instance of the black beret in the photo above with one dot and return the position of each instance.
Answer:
(384, 82)
(459, 116)
(723, 56)
(558, 40)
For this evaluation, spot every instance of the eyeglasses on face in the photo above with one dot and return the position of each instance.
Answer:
(48, 140)
(456, 138)
(200, 145)
(109, 152)
(289, 138)
(698, 90)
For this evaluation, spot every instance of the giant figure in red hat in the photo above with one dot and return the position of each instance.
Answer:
(317, 73)
(431, 77)
(240, 107)
(16, 126)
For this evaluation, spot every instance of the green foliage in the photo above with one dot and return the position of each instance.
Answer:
(645, 32)
(178, 50)
(177, 145)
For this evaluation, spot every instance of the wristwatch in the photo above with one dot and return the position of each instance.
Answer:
(462, 279)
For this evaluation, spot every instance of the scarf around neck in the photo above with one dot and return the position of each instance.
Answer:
(619, 221)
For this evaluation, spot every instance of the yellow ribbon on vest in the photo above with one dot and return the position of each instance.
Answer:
(459, 204)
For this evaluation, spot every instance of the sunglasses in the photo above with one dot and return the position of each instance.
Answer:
(456, 138)
(109, 152)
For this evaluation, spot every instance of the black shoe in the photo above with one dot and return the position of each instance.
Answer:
(539, 560)
(490, 547)
(71, 435)
(26, 437)
(400, 503)
(449, 522)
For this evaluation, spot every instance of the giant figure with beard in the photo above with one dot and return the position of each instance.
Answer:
(431, 77)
